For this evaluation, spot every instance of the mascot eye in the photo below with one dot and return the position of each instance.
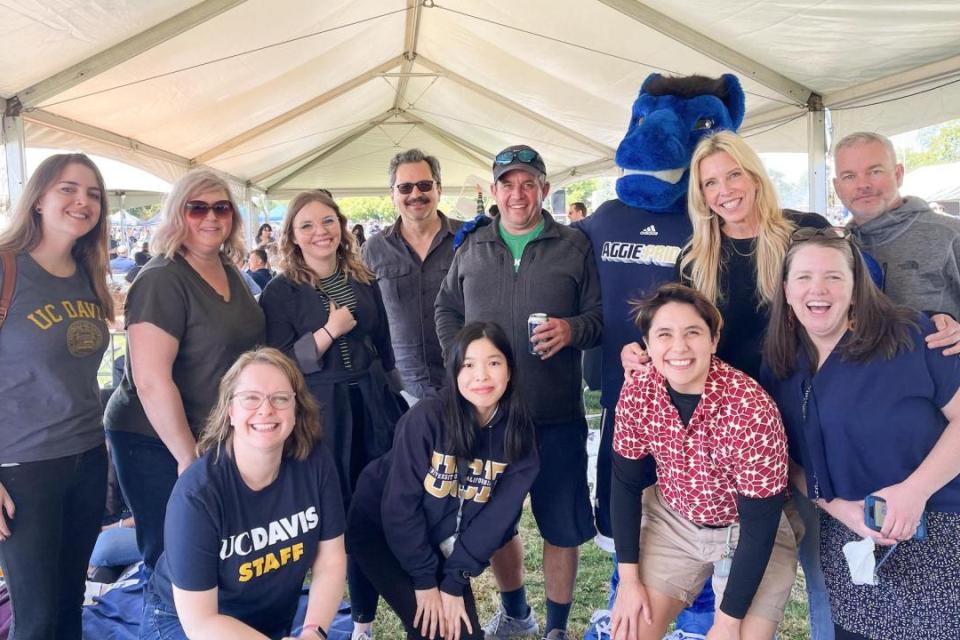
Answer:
(638, 121)
(704, 123)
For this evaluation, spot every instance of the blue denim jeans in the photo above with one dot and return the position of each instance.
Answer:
(147, 472)
(159, 621)
(59, 504)
(821, 620)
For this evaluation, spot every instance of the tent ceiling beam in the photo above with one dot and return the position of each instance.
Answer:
(515, 106)
(54, 121)
(272, 171)
(712, 49)
(905, 80)
(119, 53)
(581, 171)
(410, 36)
(346, 139)
(768, 117)
(477, 154)
(297, 111)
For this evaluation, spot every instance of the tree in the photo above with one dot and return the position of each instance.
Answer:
(940, 144)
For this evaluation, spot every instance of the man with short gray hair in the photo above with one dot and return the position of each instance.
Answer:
(410, 259)
(917, 249)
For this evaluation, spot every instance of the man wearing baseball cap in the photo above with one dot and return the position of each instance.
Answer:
(525, 263)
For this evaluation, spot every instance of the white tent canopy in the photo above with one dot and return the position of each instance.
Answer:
(283, 95)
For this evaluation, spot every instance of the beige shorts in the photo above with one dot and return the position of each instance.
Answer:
(677, 556)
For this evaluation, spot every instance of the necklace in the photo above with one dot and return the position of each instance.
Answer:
(753, 249)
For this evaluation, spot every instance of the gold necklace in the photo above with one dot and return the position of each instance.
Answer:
(733, 245)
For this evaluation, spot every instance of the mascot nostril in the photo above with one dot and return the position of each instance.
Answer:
(637, 238)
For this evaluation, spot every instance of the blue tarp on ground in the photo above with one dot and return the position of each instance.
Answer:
(116, 615)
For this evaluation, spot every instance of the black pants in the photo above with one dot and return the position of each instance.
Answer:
(59, 504)
(369, 547)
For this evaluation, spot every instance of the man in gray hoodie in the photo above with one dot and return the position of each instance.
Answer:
(917, 248)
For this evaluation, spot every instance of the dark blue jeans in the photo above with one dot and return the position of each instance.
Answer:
(58, 507)
(147, 472)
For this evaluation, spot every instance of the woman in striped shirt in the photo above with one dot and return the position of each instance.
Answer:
(324, 310)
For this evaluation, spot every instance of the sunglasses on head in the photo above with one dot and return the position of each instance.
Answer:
(198, 209)
(406, 188)
(830, 233)
(525, 156)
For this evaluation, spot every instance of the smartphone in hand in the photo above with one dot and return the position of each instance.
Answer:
(875, 512)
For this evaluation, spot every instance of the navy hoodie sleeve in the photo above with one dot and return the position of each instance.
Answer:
(404, 521)
(484, 534)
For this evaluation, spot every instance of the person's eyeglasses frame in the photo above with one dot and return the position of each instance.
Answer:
(423, 186)
(284, 397)
(198, 209)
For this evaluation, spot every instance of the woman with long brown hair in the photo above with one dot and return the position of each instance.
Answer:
(53, 463)
(324, 310)
(871, 413)
(188, 316)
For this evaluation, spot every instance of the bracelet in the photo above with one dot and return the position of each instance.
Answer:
(332, 339)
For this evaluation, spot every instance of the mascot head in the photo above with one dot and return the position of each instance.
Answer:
(669, 118)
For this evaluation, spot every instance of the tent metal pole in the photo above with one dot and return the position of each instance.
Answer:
(14, 145)
(817, 159)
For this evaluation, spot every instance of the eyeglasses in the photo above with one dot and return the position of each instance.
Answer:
(525, 156)
(406, 188)
(197, 209)
(830, 233)
(252, 400)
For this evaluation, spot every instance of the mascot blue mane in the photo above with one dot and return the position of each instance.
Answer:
(670, 116)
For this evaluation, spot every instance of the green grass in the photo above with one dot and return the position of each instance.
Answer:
(590, 594)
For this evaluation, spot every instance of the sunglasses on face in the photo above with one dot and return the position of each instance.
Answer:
(406, 188)
(197, 209)
(525, 156)
(830, 233)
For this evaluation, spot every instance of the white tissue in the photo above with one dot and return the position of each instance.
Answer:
(861, 561)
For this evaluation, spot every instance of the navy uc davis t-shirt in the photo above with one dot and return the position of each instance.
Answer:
(254, 546)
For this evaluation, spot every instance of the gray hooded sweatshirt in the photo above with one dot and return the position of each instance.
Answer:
(919, 252)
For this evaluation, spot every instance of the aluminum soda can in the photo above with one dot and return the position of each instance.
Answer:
(534, 321)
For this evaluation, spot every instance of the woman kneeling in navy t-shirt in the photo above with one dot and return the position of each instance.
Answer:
(427, 516)
(247, 520)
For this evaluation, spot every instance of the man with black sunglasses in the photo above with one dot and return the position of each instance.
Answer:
(526, 263)
(410, 259)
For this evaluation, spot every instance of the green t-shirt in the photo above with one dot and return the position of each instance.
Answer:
(518, 243)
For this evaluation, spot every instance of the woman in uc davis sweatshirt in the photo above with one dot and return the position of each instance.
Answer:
(428, 516)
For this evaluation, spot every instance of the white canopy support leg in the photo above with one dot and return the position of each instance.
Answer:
(14, 146)
(817, 159)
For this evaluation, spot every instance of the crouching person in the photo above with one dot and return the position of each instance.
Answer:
(718, 506)
(428, 516)
(247, 520)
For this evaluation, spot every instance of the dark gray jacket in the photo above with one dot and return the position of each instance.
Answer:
(557, 276)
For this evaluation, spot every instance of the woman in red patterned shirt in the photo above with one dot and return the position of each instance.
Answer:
(721, 456)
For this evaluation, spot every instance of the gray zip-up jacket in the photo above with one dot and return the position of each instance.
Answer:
(557, 276)
(919, 252)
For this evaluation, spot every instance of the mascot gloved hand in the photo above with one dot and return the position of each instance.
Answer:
(637, 238)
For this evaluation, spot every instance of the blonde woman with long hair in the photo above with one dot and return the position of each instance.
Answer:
(53, 464)
(740, 235)
(188, 316)
(324, 310)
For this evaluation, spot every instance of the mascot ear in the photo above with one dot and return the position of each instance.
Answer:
(653, 77)
(735, 100)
